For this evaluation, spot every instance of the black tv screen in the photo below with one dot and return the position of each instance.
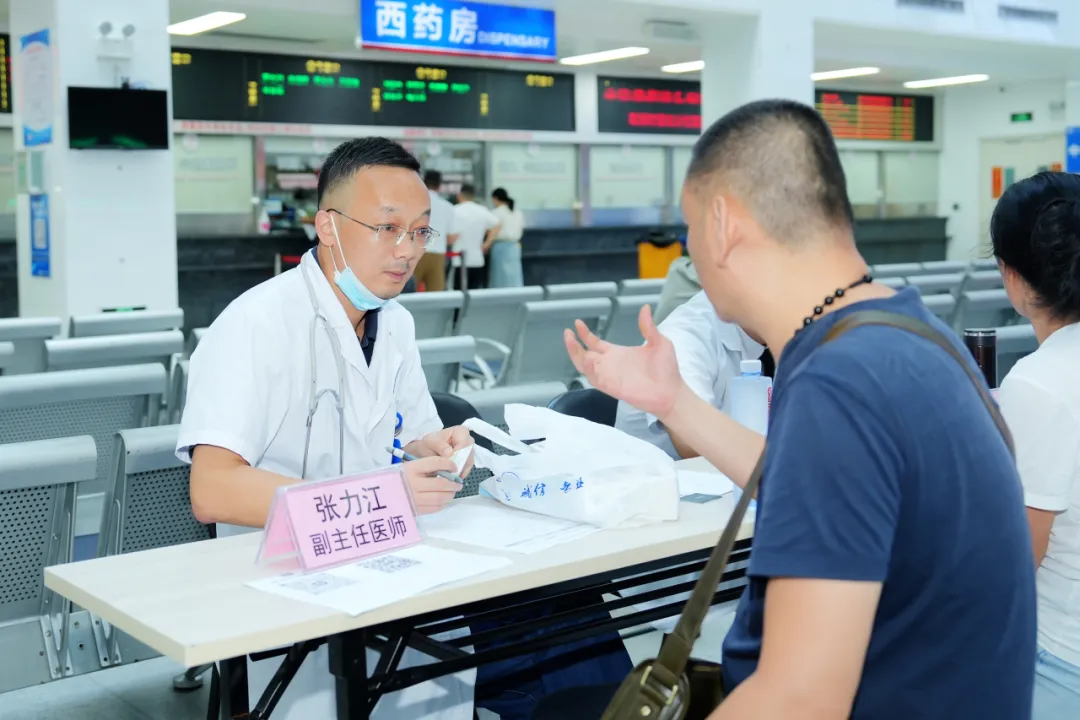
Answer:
(117, 119)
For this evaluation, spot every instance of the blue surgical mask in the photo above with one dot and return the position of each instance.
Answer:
(350, 285)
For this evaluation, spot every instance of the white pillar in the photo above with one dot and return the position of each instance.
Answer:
(769, 55)
(111, 213)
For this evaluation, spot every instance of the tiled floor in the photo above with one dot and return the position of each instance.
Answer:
(143, 691)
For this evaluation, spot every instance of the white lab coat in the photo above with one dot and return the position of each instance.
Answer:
(708, 351)
(248, 392)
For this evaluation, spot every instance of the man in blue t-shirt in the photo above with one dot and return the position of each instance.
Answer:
(891, 573)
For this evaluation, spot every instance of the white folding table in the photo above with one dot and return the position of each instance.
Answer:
(190, 602)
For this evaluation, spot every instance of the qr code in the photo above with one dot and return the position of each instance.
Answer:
(317, 584)
(388, 563)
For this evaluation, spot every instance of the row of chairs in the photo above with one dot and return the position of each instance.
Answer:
(517, 332)
(935, 267)
(29, 345)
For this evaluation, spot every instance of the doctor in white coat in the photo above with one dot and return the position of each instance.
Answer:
(708, 351)
(306, 376)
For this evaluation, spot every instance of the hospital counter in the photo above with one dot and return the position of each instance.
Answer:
(190, 602)
(215, 269)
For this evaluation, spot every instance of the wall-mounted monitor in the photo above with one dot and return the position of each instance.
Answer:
(118, 119)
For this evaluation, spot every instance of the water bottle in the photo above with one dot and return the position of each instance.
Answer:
(748, 397)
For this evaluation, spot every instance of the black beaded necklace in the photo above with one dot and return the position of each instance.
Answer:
(840, 292)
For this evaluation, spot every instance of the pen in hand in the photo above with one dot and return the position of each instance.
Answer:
(398, 452)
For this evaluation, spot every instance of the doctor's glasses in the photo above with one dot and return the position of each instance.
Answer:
(394, 234)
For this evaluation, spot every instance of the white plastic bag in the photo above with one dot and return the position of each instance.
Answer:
(582, 471)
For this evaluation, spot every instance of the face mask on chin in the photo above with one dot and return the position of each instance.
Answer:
(350, 286)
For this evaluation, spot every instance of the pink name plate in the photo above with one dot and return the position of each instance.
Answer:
(316, 525)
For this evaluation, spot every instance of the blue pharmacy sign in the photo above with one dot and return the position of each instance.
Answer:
(39, 236)
(1072, 149)
(36, 83)
(452, 27)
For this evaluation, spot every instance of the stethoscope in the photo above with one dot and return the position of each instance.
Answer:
(315, 395)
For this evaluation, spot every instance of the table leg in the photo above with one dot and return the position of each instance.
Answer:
(234, 689)
(348, 664)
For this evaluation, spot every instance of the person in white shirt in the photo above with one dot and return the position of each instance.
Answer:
(505, 246)
(1036, 237)
(431, 269)
(709, 352)
(474, 225)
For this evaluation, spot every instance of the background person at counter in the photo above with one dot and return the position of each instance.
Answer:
(431, 270)
(474, 225)
(505, 246)
(1035, 231)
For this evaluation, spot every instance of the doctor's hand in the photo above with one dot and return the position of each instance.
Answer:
(646, 376)
(430, 492)
(445, 443)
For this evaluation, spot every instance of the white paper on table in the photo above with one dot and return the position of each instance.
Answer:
(380, 580)
(499, 527)
(693, 482)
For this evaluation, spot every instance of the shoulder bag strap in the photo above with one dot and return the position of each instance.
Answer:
(675, 653)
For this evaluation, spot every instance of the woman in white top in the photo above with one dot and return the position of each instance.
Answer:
(505, 247)
(1036, 237)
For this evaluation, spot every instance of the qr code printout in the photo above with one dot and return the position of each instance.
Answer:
(387, 563)
(317, 584)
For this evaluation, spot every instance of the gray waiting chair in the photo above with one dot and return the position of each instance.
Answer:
(193, 340)
(493, 318)
(940, 267)
(622, 325)
(41, 639)
(177, 391)
(442, 358)
(580, 291)
(896, 270)
(896, 283)
(126, 323)
(946, 283)
(28, 336)
(984, 280)
(112, 350)
(645, 286)
(433, 312)
(943, 306)
(1014, 342)
(984, 309)
(7, 355)
(984, 264)
(540, 353)
(147, 506)
(491, 403)
(96, 402)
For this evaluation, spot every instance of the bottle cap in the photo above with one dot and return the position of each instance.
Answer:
(750, 367)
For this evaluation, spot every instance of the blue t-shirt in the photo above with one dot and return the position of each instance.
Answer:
(883, 465)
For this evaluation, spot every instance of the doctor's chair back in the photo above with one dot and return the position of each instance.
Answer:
(126, 323)
(442, 358)
(113, 350)
(27, 337)
(589, 404)
(540, 353)
(622, 326)
(70, 403)
(37, 526)
(433, 312)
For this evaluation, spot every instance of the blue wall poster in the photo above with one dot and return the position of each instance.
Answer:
(453, 27)
(1072, 149)
(36, 62)
(39, 236)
